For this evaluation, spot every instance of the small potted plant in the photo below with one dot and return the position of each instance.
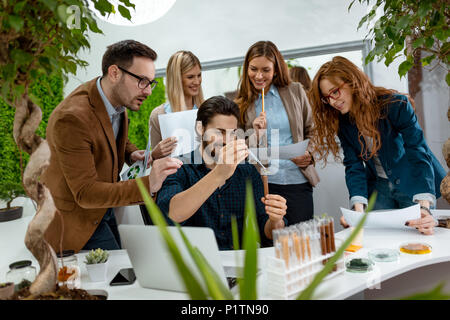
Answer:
(6, 290)
(96, 264)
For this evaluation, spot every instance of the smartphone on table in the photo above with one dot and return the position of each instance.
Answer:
(123, 277)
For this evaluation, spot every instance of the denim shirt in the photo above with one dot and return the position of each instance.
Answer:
(288, 172)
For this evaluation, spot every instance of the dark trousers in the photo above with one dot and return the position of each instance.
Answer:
(299, 200)
(106, 236)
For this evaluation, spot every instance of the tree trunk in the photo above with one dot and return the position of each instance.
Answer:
(26, 121)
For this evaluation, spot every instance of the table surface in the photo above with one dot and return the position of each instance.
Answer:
(341, 286)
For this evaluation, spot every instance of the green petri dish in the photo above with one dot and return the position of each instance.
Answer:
(383, 255)
(359, 265)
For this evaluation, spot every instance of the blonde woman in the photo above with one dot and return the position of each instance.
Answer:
(184, 92)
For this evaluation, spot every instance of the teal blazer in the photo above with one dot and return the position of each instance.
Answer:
(405, 156)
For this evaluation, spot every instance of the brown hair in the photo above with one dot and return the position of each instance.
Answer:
(122, 53)
(300, 74)
(366, 110)
(246, 92)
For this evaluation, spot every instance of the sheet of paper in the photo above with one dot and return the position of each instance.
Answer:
(284, 152)
(182, 126)
(135, 171)
(383, 218)
(147, 155)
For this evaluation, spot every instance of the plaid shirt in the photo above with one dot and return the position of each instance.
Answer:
(224, 202)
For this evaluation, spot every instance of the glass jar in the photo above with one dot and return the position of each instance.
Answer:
(20, 272)
(68, 269)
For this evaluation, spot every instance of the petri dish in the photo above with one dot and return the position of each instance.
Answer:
(415, 248)
(359, 265)
(383, 255)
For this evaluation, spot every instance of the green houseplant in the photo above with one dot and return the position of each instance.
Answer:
(49, 92)
(37, 38)
(418, 31)
(407, 28)
(96, 264)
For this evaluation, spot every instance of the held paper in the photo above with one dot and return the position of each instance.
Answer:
(383, 218)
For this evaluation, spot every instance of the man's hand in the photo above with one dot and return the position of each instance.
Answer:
(303, 161)
(160, 170)
(425, 224)
(230, 156)
(164, 148)
(275, 206)
(137, 155)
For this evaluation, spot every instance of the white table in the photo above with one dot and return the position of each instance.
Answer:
(410, 274)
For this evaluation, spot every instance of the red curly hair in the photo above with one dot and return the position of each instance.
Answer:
(366, 110)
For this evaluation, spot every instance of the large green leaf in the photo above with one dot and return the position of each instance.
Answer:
(217, 290)
(404, 67)
(250, 239)
(434, 294)
(235, 232)
(16, 22)
(192, 285)
(307, 293)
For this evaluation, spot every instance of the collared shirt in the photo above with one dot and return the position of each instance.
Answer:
(115, 115)
(223, 203)
(288, 172)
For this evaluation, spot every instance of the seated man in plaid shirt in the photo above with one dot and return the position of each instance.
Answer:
(210, 187)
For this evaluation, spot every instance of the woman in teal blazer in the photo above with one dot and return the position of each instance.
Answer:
(383, 144)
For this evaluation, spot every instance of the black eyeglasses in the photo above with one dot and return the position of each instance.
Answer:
(143, 81)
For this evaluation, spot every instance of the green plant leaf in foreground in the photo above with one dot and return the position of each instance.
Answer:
(216, 288)
(309, 291)
(250, 238)
(434, 294)
(235, 232)
(192, 285)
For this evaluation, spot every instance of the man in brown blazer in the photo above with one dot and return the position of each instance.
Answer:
(88, 137)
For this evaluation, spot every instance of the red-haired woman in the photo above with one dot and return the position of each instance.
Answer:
(286, 110)
(383, 144)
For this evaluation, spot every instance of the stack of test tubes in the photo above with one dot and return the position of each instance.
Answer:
(301, 251)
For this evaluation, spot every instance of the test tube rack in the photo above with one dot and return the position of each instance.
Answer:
(283, 283)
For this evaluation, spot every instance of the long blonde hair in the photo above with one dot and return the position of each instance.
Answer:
(247, 93)
(368, 107)
(180, 63)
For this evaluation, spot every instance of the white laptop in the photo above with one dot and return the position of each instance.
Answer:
(152, 262)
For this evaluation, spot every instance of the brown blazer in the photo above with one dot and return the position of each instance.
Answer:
(299, 114)
(85, 163)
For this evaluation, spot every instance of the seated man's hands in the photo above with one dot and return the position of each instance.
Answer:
(164, 148)
(275, 206)
(230, 156)
(160, 170)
